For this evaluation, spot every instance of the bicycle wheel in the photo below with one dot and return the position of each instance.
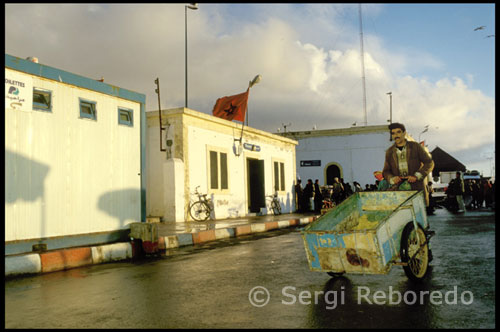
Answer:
(411, 246)
(199, 211)
(276, 207)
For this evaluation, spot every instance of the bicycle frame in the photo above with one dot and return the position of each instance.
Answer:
(201, 197)
(202, 205)
(275, 205)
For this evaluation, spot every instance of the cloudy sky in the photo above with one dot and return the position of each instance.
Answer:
(440, 71)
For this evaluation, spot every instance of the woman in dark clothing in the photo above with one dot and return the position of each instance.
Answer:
(308, 193)
(318, 197)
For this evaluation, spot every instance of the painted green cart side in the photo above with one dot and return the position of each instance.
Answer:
(363, 233)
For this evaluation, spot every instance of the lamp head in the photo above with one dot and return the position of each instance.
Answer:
(192, 6)
(255, 80)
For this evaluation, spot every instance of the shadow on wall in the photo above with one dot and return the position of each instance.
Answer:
(24, 178)
(288, 205)
(117, 203)
(25, 181)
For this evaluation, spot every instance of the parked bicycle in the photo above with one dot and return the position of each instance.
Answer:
(326, 205)
(275, 204)
(201, 209)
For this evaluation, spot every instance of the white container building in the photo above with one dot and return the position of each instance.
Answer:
(74, 158)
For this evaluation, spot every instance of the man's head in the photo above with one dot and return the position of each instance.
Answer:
(398, 133)
(457, 175)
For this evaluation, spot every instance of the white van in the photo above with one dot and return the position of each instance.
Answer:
(439, 191)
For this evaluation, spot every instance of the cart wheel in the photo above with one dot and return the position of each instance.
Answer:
(335, 274)
(411, 241)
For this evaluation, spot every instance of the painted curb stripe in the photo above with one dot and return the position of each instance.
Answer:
(222, 234)
(284, 223)
(304, 221)
(111, 252)
(203, 236)
(232, 231)
(74, 257)
(271, 225)
(243, 230)
(171, 241)
(65, 259)
(184, 239)
(258, 228)
(161, 243)
(30, 263)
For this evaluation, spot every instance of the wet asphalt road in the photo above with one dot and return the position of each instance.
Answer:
(209, 286)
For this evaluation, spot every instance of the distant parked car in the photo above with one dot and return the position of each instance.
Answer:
(439, 192)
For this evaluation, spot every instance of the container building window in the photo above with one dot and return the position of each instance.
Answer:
(88, 109)
(42, 99)
(126, 116)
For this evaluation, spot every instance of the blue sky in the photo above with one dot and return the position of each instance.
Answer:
(440, 71)
(447, 32)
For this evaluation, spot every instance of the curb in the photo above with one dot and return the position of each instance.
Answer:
(58, 260)
(180, 240)
(64, 259)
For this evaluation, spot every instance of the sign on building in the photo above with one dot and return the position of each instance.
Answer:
(18, 92)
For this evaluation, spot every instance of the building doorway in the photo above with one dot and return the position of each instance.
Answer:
(255, 180)
(332, 171)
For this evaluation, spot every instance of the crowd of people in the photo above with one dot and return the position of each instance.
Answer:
(407, 166)
(462, 194)
(312, 196)
(470, 194)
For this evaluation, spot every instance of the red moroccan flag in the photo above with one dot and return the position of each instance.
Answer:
(232, 107)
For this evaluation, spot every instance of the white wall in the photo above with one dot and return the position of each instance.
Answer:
(234, 202)
(66, 175)
(357, 155)
(194, 134)
(155, 160)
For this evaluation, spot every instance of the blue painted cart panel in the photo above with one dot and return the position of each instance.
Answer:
(363, 233)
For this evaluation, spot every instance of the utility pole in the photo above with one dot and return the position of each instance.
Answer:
(390, 107)
(362, 64)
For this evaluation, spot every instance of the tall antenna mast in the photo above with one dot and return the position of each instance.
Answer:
(362, 64)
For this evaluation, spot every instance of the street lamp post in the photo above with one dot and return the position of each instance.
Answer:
(390, 107)
(255, 80)
(192, 6)
(426, 128)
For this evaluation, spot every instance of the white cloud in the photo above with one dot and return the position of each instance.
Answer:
(309, 62)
